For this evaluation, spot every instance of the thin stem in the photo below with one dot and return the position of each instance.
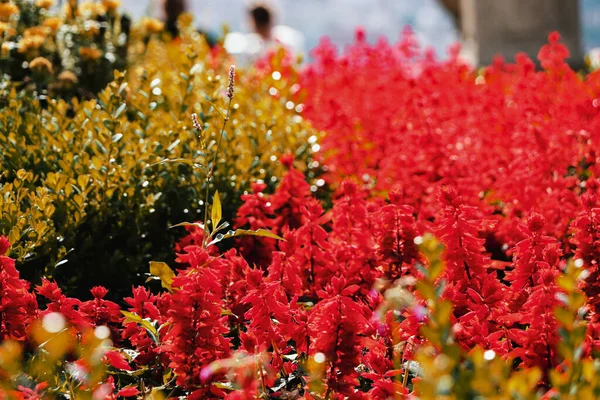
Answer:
(262, 378)
(210, 174)
(405, 378)
(335, 349)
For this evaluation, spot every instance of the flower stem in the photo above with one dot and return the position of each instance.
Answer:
(209, 175)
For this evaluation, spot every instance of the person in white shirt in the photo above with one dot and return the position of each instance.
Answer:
(265, 37)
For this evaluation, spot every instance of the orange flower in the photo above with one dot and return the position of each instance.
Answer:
(111, 5)
(7, 10)
(92, 28)
(91, 10)
(44, 3)
(33, 38)
(152, 25)
(70, 11)
(90, 53)
(41, 65)
(29, 43)
(6, 48)
(186, 19)
(68, 78)
(7, 29)
(36, 31)
(53, 23)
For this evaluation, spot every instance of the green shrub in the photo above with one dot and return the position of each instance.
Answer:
(100, 193)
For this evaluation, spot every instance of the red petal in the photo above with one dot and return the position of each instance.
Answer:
(117, 360)
(128, 392)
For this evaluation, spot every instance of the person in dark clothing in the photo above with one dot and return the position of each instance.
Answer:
(262, 19)
(172, 11)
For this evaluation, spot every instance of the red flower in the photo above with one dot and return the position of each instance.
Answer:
(336, 324)
(195, 337)
(117, 360)
(130, 391)
(18, 307)
(4, 245)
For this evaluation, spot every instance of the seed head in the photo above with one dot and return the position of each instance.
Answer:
(230, 87)
(196, 123)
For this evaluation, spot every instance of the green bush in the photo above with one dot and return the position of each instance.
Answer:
(90, 188)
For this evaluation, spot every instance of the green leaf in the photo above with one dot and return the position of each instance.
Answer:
(227, 312)
(131, 317)
(162, 270)
(178, 160)
(258, 232)
(224, 225)
(436, 267)
(122, 88)
(218, 109)
(215, 212)
(195, 224)
(120, 110)
(173, 145)
(245, 232)
(443, 312)
(224, 385)
(173, 160)
(426, 289)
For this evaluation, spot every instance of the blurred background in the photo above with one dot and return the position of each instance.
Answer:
(337, 19)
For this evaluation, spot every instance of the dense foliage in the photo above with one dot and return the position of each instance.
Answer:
(89, 189)
(325, 287)
(67, 53)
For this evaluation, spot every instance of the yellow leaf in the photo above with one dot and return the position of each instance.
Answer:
(82, 180)
(566, 282)
(443, 311)
(588, 370)
(577, 300)
(217, 109)
(215, 214)
(156, 394)
(96, 162)
(431, 334)
(131, 317)
(162, 271)
(436, 267)
(564, 316)
(426, 289)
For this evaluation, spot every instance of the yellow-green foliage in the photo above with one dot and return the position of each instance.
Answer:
(180, 79)
(71, 51)
(448, 372)
(26, 213)
(125, 166)
(51, 361)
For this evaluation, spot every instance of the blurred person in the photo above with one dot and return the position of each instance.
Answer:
(171, 10)
(265, 37)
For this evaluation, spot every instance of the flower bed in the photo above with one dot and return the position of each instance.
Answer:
(90, 188)
(293, 285)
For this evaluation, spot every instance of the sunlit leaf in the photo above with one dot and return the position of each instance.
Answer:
(245, 232)
(227, 312)
(131, 317)
(186, 224)
(120, 110)
(162, 270)
(217, 109)
(215, 213)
